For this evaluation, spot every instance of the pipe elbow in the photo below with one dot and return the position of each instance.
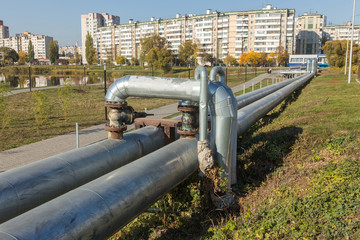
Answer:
(215, 71)
(118, 91)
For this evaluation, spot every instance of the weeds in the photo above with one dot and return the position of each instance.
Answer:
(41, 108)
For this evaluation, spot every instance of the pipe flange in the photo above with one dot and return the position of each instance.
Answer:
(188, 108)
(187, 133)
(119, 105)
(110, 128)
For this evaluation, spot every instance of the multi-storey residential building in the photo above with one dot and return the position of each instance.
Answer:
(21, 42)
(4, 30)
(220, 34)
(309, 33)
(342, 32)
(91, 22)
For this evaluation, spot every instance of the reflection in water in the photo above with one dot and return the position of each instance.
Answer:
(22, 81)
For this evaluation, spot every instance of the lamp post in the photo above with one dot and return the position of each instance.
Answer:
(30, 75)
(105, 89)
(347, 47)
(189, 71)
(351, 44)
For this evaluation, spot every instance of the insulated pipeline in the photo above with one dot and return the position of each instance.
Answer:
(26, 187)
(98, 209)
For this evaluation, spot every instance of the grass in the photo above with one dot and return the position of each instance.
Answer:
(86, 107)
(298, 176)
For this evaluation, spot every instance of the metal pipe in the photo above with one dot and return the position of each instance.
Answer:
(248, 115)
(215, 71)
(201, 73)
(223, 127)
(98, 209)
(251, 97)
(153, 87)
(24, 188)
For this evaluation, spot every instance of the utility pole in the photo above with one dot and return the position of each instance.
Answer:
(351, 44)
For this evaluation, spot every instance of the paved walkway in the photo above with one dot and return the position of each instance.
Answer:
(26, 154)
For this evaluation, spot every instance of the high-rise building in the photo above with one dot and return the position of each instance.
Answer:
(91, 22)
(309, 33)
(342, 32)
(219, 34)
(4, 30)
(21, 42)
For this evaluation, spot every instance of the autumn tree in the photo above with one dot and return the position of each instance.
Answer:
(230, 60)
(335, 52)
(154, 51)
(243, 59)
(53, 51)
(271, 58)
(22, 57)
(253, 58)
(263, 59)
(90, 52)
(31, 53)
(188, 51)
(120, 60)
(282, 56)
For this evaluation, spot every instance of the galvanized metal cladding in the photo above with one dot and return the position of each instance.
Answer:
(91, 192)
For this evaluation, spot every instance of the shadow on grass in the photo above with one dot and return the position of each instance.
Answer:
(261, 154)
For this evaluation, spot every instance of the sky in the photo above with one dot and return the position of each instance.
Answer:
(61, 19)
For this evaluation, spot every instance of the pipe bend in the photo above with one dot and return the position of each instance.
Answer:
(218, 70)
(118, 91)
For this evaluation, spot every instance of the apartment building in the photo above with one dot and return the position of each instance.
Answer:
(342, 32)
(4, 30)
(219, 34)
(21, 42)
(91, 22)
(310, 33)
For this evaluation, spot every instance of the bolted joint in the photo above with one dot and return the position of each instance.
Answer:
(119, 115)
(189, 120)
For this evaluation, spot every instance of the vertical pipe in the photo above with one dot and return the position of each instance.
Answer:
(252, 86)
(244, 89)
(201, 73)
(77, 135)
(351, 44)
(105, 89)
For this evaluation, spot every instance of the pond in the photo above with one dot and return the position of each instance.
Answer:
(22, 81)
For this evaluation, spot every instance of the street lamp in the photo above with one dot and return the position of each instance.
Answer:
(30, 75)
(347, 47)
(105, 89)
(351, 44)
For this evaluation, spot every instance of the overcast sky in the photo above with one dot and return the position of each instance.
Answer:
(61, 19)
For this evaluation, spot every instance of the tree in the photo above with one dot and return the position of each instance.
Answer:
(335, 52)
(154, 51)
(22, 57)
(53, 51)
(253, 58)
(9, 55)
(282, 56)
(207, 58)
(263, 59)
(243, 59)
(31, 53)
(120, 60)
(230, 60)
(90, 52)
(188, 51)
